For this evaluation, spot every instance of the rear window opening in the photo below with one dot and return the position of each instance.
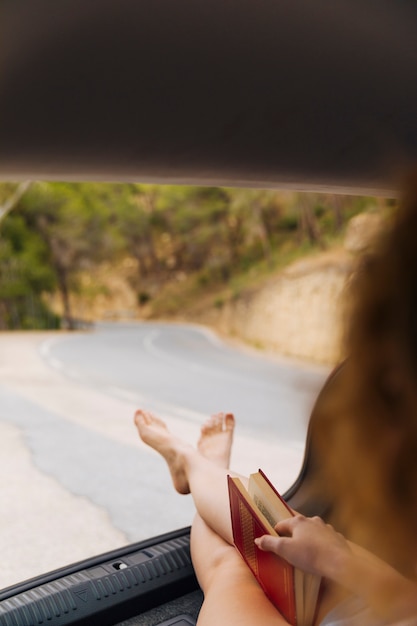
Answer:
(182, 300)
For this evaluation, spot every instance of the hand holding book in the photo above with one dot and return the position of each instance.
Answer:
(315, 547)
(307, 543)
(289, 554)
(255, 512)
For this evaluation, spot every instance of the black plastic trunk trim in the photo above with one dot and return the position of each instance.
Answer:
(92, 588)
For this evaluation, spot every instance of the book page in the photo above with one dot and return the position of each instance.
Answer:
(267, 501)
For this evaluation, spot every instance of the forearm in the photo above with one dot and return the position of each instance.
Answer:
(315, 547)
(385, 591)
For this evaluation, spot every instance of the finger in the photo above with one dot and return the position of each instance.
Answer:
(286, 526)
(267, 543)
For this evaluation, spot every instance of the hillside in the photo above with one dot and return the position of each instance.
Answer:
(294, 311)
(265, 266)
(298, 311)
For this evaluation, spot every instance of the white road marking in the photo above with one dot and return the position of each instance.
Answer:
(165, 408)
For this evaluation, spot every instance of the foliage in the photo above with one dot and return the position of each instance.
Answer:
(198, 237)
(24, 275)
(70, 220)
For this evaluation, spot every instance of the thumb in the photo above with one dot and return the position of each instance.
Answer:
(267, 543)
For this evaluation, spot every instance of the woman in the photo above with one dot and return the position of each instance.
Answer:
(372, 474)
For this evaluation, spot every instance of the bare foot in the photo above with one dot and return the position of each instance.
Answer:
(155, 434)
(216, 438)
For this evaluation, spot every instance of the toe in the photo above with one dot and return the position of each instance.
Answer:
(145, 418)
(218, 421)
(229, 421)
(210, 424)
(139, 417)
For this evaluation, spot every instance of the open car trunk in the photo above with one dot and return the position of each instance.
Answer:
(299, 95)
(151, 582)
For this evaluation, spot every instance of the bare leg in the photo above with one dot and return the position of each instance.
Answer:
(231, 594)
(232, 597)
(191, 471)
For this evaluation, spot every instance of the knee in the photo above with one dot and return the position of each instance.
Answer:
(225, 556)
(223, 565)
(212, 556)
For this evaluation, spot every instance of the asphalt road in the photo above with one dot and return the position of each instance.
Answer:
(77, 480)
(188, 371)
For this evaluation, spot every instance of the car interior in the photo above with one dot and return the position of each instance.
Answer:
(277, 95)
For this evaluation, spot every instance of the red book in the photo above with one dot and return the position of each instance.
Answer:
(254, 512)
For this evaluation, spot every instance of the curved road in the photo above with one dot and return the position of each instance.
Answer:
(188, 371)
(75, 478)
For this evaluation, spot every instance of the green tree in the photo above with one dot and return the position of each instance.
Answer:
(9, 199)
(308, 224)
(70, 220)
(24, 275)
(134, 211)
(257, 214)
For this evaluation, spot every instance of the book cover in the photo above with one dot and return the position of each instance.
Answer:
(274, 574)
(254, 512)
